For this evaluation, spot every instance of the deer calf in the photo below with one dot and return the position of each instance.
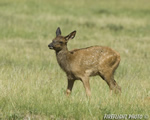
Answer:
(80, 64)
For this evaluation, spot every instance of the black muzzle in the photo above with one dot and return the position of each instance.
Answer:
(50, 46)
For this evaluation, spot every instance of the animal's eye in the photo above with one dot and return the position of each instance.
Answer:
(60, 42)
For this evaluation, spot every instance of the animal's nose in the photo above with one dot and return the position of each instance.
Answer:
(50, 46)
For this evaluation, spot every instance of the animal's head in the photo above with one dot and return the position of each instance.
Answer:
(60, 42)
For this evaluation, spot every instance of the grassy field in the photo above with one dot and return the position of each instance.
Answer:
(32, 84)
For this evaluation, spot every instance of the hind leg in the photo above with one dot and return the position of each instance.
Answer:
(106, 71)
(109, 78)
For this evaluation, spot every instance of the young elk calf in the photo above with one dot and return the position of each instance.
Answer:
(80, 64)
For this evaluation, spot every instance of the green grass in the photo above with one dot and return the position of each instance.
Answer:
(32, 85)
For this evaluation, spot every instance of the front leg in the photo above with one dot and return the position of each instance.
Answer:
(86, 84)
(69, 87)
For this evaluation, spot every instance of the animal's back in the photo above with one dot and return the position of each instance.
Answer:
(92, 59)
(91, 55)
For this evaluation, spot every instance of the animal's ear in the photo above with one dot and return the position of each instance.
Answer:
(70, 36)
(58, 32)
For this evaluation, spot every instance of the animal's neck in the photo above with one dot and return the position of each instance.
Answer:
(62, 53)
(62, 59)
